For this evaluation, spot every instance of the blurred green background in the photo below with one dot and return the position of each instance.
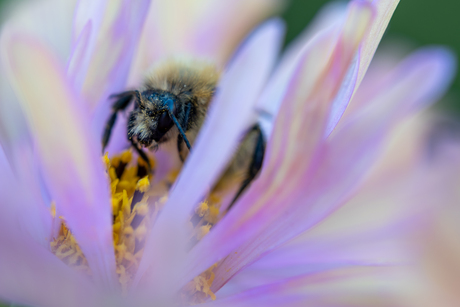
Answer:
(418, 22)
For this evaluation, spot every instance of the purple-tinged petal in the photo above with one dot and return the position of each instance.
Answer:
(348, 155)
(367, 230)
(88, 11)
(31, 275)
(79, 59)
(333, 14)
(110, 64)
(292, 149)
(86, 26)
(22, 207)
(69, 157)
(32, 17)
(350, 286)
(385, 9)
(230, 114)
(271, 99)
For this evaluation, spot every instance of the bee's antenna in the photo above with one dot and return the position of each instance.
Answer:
(170, 106)
(182, 133)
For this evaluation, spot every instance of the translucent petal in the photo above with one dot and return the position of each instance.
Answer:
(31, 275)
(289, 153)
(87, 23)
(347, 156)
(384, 9)
(68, 155)
(111, 61)
(352, 286)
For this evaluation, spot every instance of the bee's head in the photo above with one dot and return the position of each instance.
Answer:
(152, 118)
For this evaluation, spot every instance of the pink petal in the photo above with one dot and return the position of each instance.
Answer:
(350, 286)
(351, 151)
(31, 275)
(111, 61)
(385, 9)
(289, 155)
(22, 204)
(32, 18)
(332, 14)
(79, 59)
(88, 11)
(86, 26)
(230, 115)
(69, 157)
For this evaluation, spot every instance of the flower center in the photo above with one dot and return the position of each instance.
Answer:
(133, 216)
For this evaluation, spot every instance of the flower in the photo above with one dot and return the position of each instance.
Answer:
(109, 239)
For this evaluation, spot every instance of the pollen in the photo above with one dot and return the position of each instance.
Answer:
(128, 181)
(135, 204)
(143, 184)
(199, 290)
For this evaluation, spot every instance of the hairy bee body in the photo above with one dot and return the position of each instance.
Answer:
(172, 104)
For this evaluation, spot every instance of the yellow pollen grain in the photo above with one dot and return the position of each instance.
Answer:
(142, 209)
(198, 290)
(106, 160)
(202, 209)
(53, 209)
(143, 184)
(202, 231)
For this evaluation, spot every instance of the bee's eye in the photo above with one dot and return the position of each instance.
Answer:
(164, 122)
(150, 113)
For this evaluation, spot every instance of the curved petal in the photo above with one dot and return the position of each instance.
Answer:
(87, 11)
(350, 152)
(351, 286)
(22, 206)
(203, 29)
(31, 275)
(111, 61)
(69, 158)
(385, 9)
(332, 14)
(79, 59)
(87, 23)
(290, 154)
(32, 18)
(229, 116)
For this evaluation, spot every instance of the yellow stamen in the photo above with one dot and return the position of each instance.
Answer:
(131, 222)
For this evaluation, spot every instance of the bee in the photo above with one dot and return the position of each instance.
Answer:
(172, 104)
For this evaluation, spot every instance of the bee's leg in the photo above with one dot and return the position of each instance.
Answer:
(141, 153)
(179, 137)
(255, 166)
(121, 102)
